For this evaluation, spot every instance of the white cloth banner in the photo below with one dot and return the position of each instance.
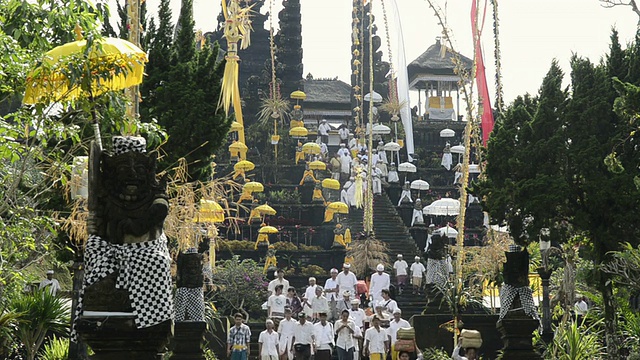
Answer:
(403, 81)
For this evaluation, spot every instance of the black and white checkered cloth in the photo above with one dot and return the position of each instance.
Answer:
(143, 270)
(508, 294)
(437, 272)
(125, 144)
(189, 304)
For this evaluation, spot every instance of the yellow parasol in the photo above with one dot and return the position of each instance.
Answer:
(238, 149)
(268, 230)
(236, 126)
(311, 148)
(298, 132)
(317, 165)
(244, 165)
(210, 211)
(121, 61)
(332, 184)
(253, 186)
(265, 210)
(298, 95)
(335, 208)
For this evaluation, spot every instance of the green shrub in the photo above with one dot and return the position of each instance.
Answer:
(56, 349)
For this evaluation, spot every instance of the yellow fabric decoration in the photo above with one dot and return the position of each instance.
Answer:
(347, 237)
(328, 214)
(246, 195)
(261, 238)
(308, 177)
(359, 193)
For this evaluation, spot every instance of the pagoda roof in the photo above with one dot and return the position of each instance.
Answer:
(432, 64)
(327, 91)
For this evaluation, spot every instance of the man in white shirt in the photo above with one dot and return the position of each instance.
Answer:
(417, 273)
(51, 284)
(394, 325)
(319, 304)
(389, 305)
(324, 338)
(343, 131)
(358, 315)
(268, 342)
(345, 344)
(581, 307)
(303, 338)
(400, 270)
(309, 294)
(323, 131)
(279, 280)
(376, 341)
(276, 304)
(332, 290)
(379, 280)
(286, 330)
(347, 281)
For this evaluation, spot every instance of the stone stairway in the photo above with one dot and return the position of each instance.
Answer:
(388, 227)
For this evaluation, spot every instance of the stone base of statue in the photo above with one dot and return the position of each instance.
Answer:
(115, 337)
(187, 340)
(405, 210)
(435, 301)
(516, 330)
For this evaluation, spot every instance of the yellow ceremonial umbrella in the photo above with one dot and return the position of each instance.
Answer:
(253, 186)
(339, 207)
(332, 184)
(299, 132)
(265, 210)
(236, 126)
(210, 211)
(311, 148)
(298, 95)
(317, 165)
(244, 165)
(113, 63)
(268, 230)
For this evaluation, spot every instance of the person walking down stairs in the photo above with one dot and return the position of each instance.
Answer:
(400, 269)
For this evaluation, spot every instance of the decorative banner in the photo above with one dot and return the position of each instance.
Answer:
(481, 78)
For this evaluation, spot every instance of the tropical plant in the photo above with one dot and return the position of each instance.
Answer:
(576, 341)
(56, 349)
(273, 109)
(213, 320)
(239, 286)
(8, 324)
(312, 270)
(433, 353)
(39, 313)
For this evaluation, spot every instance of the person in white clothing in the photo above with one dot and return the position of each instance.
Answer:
(417, 273)
(309, 294)
(324, 338)
(394, 325)
(581, 306)
(387, 302)
(344, 303)
(344, 330)
(279, 280)
(331, 290)
(303, 338)
(268, 342)
(470, 353)
(276, 304)
(323, 131)
(392, 176)
(51, 284)
(343, 150)
(347, 281)
(400, 270)
(357, 341)
(286, 330)
(376, 180)
(343, 131)
(319, 304)
(376, 341)
(405, 197)
(357, 314)
(379, 281)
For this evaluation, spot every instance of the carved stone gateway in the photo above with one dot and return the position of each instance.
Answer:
(126, 308)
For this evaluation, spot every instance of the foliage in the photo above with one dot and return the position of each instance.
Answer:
(433, 353)
(575, 341)
(304, 247)
(56, 349)
(312, 270)
(280, 196)
(240, 285)
(625, 265)
(273, 109)
(40, 313)
(8, 324)
(285, 245)
(234, 245)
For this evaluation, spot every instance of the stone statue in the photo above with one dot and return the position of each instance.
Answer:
(437, 266)
(417, 218)
(189, 281)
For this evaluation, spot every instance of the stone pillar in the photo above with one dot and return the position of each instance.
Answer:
(187, 340)
(516, 330)
(419, 234)
(547, 331)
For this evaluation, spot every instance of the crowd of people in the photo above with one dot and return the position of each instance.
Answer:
(344, 316)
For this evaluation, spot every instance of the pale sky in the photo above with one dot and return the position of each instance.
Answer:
(532, 33)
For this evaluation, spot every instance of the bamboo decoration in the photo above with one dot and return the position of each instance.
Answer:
(237, 28)
(368, 209)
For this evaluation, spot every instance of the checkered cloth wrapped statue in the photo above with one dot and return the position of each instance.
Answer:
(437, 266)
(127, 246)
(516, 284)
(189, 279)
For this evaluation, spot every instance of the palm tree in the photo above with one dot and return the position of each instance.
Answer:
(38, 313)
